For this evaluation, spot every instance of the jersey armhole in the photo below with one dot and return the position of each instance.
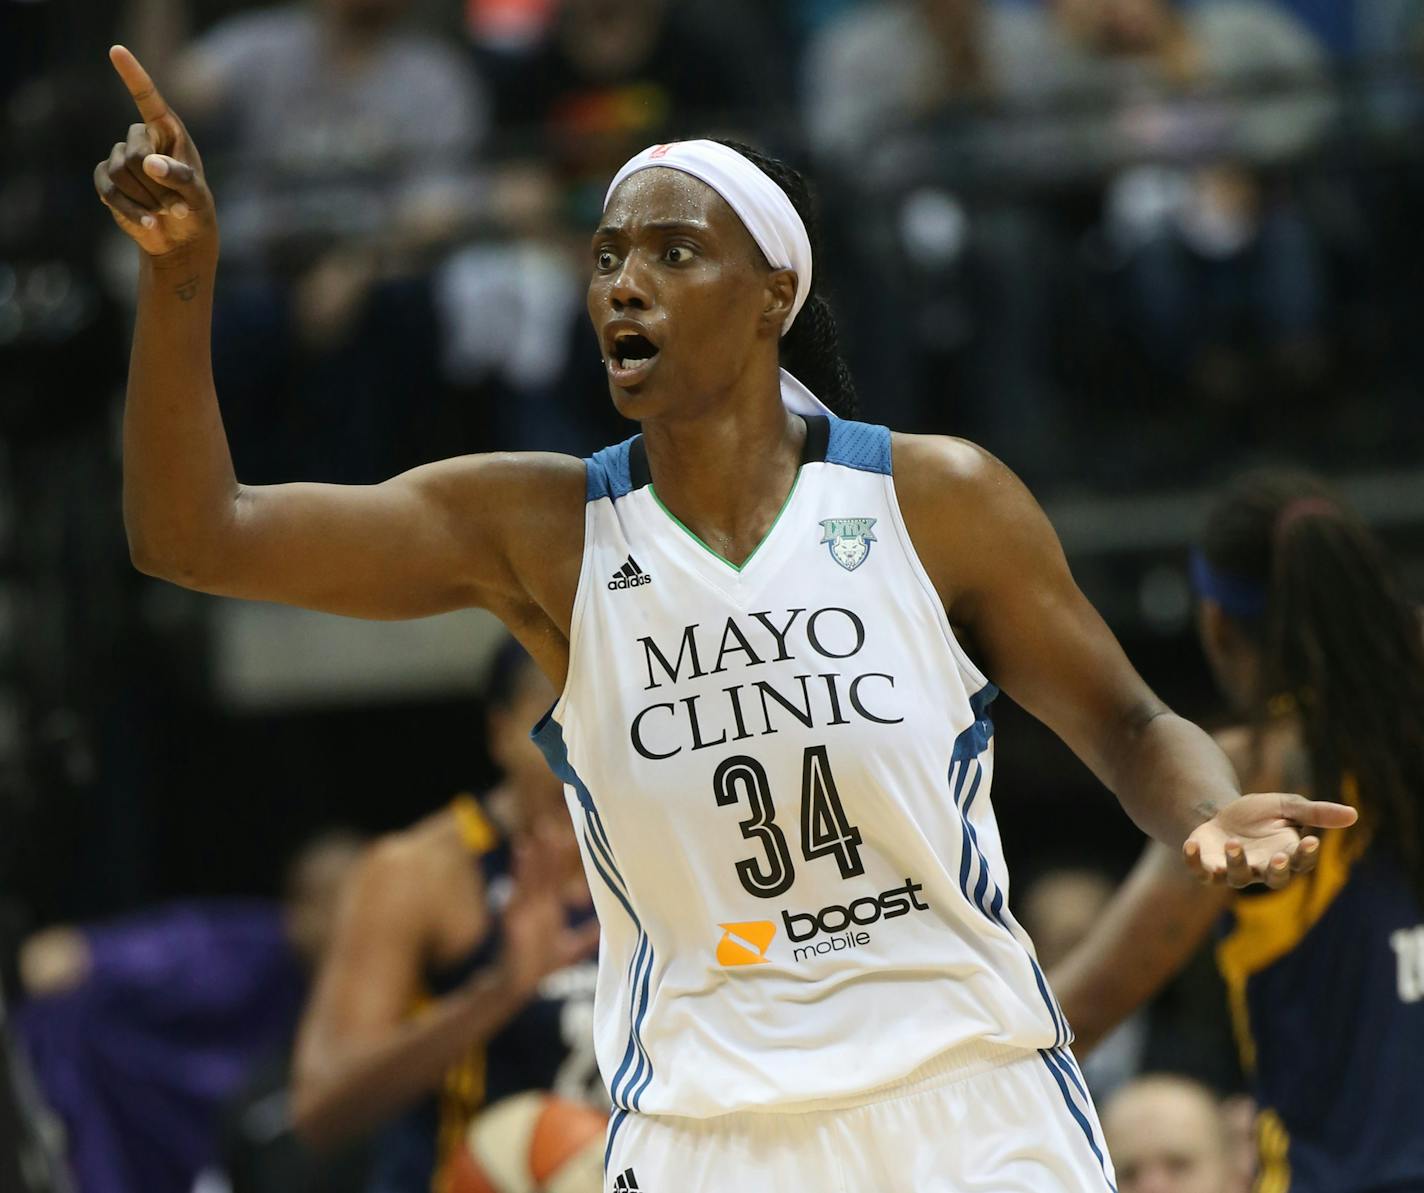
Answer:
(977, 678)
(576, 619)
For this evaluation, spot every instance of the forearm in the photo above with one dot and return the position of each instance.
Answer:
(347, 1093)
(1154, 924)
(1170, 776)
(179, 485)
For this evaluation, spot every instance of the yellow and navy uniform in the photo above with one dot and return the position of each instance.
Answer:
(1330, 1023)
(548, 1045)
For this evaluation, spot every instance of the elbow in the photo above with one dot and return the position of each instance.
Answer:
(174, 565)
(146, 560)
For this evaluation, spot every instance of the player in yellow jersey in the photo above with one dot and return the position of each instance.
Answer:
(459, 972)
(1320, 653)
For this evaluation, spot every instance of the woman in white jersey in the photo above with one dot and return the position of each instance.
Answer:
(776, 751)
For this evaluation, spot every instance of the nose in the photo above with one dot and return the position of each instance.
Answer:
(630, 287)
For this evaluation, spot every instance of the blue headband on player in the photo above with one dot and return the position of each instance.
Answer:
(1241, 598)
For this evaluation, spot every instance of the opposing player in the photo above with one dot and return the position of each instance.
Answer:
(775, 744)
(1314, 644)
(456, 976)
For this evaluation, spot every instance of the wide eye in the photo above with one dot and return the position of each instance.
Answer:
(678, 254)
(606, 259)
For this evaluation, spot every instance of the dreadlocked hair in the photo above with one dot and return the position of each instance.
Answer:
(1341, 642)
(811, 350)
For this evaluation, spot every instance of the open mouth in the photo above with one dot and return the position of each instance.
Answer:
(632, 351)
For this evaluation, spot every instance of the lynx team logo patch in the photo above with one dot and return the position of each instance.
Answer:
(849, 540)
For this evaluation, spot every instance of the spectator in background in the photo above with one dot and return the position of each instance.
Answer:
(347, 142)
(138, 1031)
(600, 80)
(1166, 1135)
(1219, 97)
(880, 68)
(911, 105)
(612, 76)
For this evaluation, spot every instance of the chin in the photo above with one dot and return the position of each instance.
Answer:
(639, 402)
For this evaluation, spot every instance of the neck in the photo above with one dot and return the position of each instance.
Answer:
(726, 471)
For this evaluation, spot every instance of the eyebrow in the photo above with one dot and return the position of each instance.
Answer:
(658, 226)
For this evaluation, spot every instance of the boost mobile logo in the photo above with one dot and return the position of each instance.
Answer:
(745, 944)
(839, 926)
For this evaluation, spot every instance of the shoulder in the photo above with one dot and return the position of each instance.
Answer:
(533, 492)
(407, 875)
(938, 469)
(542, 477)
(973, 523)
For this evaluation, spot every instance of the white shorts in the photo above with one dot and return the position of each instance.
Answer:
(1017, 1123)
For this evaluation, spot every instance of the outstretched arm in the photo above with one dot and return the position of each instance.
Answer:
(1151, 929)
(496, 531)
(1002, 575)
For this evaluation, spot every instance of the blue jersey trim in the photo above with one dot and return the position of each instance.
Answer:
(608, 472)
(1059, 1063)
(862, 446)
(548, 735)
(966, 755)
(620, 1116)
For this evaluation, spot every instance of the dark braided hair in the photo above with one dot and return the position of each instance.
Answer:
(811, 350)
(1340, 640)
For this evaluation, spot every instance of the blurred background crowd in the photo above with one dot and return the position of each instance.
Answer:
(1129, 245)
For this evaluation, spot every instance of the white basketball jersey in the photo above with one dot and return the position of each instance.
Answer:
(780, 778)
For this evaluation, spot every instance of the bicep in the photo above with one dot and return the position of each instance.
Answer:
(1051, 652)
(1006, 582)
(445, 536)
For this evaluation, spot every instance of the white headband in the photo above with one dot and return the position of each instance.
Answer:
(759, 203)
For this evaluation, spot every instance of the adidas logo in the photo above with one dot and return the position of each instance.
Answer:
(630, 575)
(626, 1183)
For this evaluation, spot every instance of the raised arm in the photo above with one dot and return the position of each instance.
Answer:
(1004, 580)
(502, 532)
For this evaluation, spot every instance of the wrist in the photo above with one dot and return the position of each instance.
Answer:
(198, 256)
(1210, 807)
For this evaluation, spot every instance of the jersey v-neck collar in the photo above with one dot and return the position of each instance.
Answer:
(813, 451)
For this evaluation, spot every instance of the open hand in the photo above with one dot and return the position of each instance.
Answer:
(1258, 839)
(152, 181)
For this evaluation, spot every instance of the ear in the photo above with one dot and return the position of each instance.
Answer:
(780, 299)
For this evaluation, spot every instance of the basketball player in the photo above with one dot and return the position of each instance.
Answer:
(1305, 622)
(774, 739)
(499, 981)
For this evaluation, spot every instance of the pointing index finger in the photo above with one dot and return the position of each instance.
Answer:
(151, 105)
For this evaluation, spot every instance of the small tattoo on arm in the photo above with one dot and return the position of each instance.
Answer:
(1206, 810)
(187, 290)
